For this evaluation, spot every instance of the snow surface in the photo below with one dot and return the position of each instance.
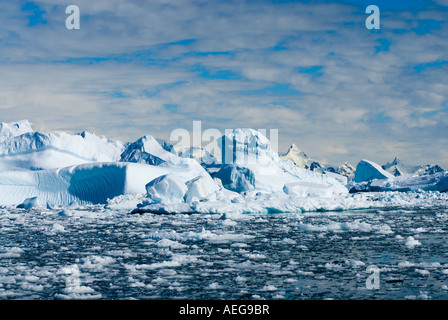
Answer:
(307, 189)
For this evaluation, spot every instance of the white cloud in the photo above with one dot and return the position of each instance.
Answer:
(337, 116)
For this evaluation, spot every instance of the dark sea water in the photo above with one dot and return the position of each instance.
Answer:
(98, 254)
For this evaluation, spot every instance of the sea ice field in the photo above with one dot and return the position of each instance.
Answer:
(91, 252)
(84, 217)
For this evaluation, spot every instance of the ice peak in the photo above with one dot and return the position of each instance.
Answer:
(294, 147)
(14, 129)
(86, 134)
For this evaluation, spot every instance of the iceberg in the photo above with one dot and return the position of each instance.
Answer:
(250, 149)
(59, 169)
(147, 150)
(92, 183)
(39, 169)
(341, 178)
(166, 188)
(367, 170)
(23, 149)
(236, 178)
(14, 129)
(398, 168)
(406, 183)
(29, 203)
(198, 189)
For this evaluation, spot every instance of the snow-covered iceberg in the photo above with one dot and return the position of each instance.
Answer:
(24, 149)
(63, 168)
(92, 183)
(368, 170)
(250, 149)
(14, 129)
(39, 169)
(398, 168)
(405, 183)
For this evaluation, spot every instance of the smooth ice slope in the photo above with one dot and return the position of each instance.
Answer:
(367, 170)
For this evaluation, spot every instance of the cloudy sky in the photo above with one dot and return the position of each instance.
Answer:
(310, 69)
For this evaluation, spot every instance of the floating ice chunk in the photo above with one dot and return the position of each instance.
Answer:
(167, 243)
(367, 170)
(11, 252)
(54, 229)
(307, 189)
(422, 272)
(214, 286)
(411, 243)
(29, 203)
(354, 263)
(166, 189)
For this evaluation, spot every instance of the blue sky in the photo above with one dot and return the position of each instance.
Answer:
(310, 69)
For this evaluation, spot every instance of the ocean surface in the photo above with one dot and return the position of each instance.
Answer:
(92, 253)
